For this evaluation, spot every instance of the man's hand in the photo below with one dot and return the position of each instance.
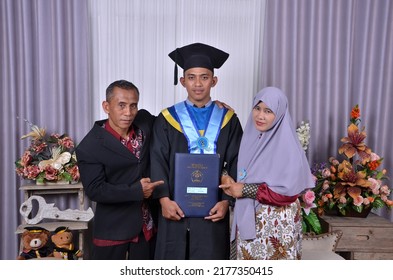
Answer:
(148, 186)
(219, 211)
(170, 209)
(233, 189)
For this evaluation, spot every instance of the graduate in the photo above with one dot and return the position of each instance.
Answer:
(197, 126)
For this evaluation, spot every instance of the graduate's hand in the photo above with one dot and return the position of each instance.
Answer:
(219, 211)
(148, 186)
(170, 209)
(233, 189)
(222, 104)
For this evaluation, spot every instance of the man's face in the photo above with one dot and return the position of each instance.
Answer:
(121, 109)
(198, 82)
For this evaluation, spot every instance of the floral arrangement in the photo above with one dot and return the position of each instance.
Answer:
(355, 183)
(303, 133)
(310, 221)
(49, 158)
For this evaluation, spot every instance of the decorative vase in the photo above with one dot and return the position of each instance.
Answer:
(353, 213)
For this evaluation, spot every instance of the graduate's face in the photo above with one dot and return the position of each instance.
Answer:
(198, 82)
(121, 108)
(263, 117)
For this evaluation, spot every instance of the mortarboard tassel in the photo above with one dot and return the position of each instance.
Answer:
(175, 81)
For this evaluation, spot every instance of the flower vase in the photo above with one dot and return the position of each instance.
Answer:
(353, 213)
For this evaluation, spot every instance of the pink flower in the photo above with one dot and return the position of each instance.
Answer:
(374, 156)
(32, 171)
(51, 173)
(326, 173)
(40, 148)
(325, 185)
(66, 142)
(358, 201)
(385, 190)
(26, 158)
(74, 171)
(366, 201)
(309, 197)
(375, 185)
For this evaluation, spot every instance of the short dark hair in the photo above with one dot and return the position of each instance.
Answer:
(123, 84)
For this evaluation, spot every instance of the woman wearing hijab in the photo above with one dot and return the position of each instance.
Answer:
(272, 171)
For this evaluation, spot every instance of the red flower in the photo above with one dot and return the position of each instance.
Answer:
(373, 165)
(355, 113)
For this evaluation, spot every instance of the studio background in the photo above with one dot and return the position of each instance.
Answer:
(58, 56)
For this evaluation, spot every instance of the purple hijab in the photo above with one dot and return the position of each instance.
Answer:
(274, 156)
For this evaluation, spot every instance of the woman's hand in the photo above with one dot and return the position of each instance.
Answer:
(233, 189)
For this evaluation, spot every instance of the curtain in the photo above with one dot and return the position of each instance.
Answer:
(132, 39)
(44, 78)
(329, 56)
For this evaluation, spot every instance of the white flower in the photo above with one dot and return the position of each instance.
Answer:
(303, 133)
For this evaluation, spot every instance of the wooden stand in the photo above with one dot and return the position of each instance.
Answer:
(76, 189)
(368, 238)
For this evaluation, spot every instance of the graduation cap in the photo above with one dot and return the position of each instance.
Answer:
(61, 229)
(198, 55)
(34, 229)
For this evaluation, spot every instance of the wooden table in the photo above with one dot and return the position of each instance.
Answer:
(368, 238)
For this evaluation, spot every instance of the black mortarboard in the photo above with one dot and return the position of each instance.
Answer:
(34, 229)
(198, 55)
(61, 229)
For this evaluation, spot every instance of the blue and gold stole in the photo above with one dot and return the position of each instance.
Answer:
(200, 141)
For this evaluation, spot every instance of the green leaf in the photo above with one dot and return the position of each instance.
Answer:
(67, 176)
(378, 203)
(313, 222)
(358, 209)
(379, 175)
(331, 205)
(304, 226)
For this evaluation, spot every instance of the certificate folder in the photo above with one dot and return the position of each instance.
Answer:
(196, 183)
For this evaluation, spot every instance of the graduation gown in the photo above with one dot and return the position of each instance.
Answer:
(208, 240)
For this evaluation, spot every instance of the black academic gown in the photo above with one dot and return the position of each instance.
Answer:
(111, 175)
(208, 240)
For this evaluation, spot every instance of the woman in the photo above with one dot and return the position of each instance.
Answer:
(272, 172)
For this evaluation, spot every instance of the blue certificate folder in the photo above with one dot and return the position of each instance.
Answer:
(196, 183)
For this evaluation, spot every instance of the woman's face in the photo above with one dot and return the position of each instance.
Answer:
(263, 117)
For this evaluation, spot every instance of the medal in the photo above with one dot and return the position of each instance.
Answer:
(202, 143)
